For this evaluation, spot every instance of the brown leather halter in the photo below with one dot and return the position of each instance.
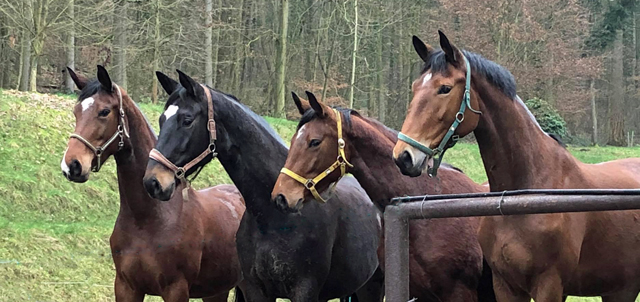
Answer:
(120, 132)
(180, 172)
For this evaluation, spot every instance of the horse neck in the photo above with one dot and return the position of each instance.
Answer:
(511, 141)
(253, 156)
(374, 168)
(131, 163)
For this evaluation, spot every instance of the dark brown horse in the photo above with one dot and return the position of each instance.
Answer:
(174, 249)
(445, 256)
(544, 257)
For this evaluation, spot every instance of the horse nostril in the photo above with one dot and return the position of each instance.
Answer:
(75, 168)
(405, 159)
(153, 186)
(281, 201)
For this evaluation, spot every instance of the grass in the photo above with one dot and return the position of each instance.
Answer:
(54, 233)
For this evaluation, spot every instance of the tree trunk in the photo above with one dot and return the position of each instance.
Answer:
(354, 53)
(282, 61)
(240, 48)
(636, 22)
(71, 42)
(26, 60)
(120, 21)
(327, 66)
(216, 42)
(382, 101)
(616, 103)
(208, 43)
(4, 55)
(594, 113)
(26, 48)
(156, 53)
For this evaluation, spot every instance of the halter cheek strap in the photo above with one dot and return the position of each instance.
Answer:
(180, 172)
(449, 139)
(341, 162)
(121, 132)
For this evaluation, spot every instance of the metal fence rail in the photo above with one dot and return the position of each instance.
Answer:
(519, 202)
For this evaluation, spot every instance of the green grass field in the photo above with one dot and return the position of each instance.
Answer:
(54, 233)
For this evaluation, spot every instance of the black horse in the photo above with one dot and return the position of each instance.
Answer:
(321, 252)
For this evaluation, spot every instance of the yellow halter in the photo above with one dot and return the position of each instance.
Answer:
(341, 162)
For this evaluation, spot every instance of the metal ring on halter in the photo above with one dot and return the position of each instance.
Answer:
(180, 173)
(341, 143)
(460, 117)
(341, 159)
(309, 184)
(212, 147)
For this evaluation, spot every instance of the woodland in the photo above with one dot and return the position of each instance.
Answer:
(576, 62)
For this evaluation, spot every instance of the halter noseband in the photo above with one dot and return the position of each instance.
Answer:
(449, 139)
(340, 162)
(120, 132)
(180, 172)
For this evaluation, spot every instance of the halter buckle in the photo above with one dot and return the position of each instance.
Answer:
(211, 125)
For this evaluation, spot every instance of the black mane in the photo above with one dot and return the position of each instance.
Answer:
(91, 89)
(497, 75)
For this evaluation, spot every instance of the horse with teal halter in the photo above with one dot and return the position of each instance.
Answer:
(450, 139)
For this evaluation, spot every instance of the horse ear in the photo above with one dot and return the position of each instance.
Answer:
(104, 79)
(80, 80)
(188, 83)
(423, 50)
(302, 105)
(451, 52)
(316, 105)
(168, 84)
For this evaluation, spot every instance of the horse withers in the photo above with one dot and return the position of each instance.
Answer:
(318, 253)
(545, 256)
(173, 249)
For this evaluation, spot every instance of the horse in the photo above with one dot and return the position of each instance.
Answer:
(545, 256)
(174, 249)
(443, 267)
(318, 253)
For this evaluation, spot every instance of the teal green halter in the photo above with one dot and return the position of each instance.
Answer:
(449, 139)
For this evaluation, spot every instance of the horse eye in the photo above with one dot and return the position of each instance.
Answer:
(444, 89)
(187, 121)
(104, 112)
(314, 143)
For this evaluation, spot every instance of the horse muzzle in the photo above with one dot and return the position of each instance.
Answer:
(159, 182)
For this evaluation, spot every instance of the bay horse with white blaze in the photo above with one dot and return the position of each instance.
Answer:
(446, 261)
(319, 253)
(173, 249)
(545, 256)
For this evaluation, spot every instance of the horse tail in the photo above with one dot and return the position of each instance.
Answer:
(485, 286)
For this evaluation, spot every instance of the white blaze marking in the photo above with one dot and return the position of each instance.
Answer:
(171, 110)
(300, 132)
(87, 103)
(426, 79)
(63, 164)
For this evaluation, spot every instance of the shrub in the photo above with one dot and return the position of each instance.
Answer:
(547, 116)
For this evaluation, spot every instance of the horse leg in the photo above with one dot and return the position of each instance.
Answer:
(176, 292)
(621, 297)
(505, 293)
(221, 297)
(462, 293)
(305, 291)
(124, 293)
(248, 291)
(373, 290)
(548, 288)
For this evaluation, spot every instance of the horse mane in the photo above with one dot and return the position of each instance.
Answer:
(495, 74)
(389, 133)
(90, 89)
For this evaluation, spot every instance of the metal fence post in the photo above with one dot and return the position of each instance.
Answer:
(396, 245)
